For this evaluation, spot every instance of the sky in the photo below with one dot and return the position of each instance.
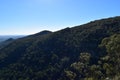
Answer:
(24, 17)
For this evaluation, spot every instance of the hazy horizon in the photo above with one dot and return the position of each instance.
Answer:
(25, 17)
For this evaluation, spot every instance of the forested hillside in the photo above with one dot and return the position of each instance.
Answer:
(6, 42)
(86, 52)
(6, 39)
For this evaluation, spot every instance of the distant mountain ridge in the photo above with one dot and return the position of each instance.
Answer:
(46, 55)
(5, 37)
(43, 32)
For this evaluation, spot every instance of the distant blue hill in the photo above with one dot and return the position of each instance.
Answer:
(5, 37)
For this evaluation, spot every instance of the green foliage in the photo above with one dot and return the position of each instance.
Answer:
(80, 68)
(108, 65)
(70, 75)
(55, 55)
(112, 58)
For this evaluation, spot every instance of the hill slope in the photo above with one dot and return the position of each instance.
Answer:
(46, 56)
(6, 42)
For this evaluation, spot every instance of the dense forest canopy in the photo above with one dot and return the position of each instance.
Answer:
(86, 52)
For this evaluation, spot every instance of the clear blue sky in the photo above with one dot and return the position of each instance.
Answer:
(32, 16)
